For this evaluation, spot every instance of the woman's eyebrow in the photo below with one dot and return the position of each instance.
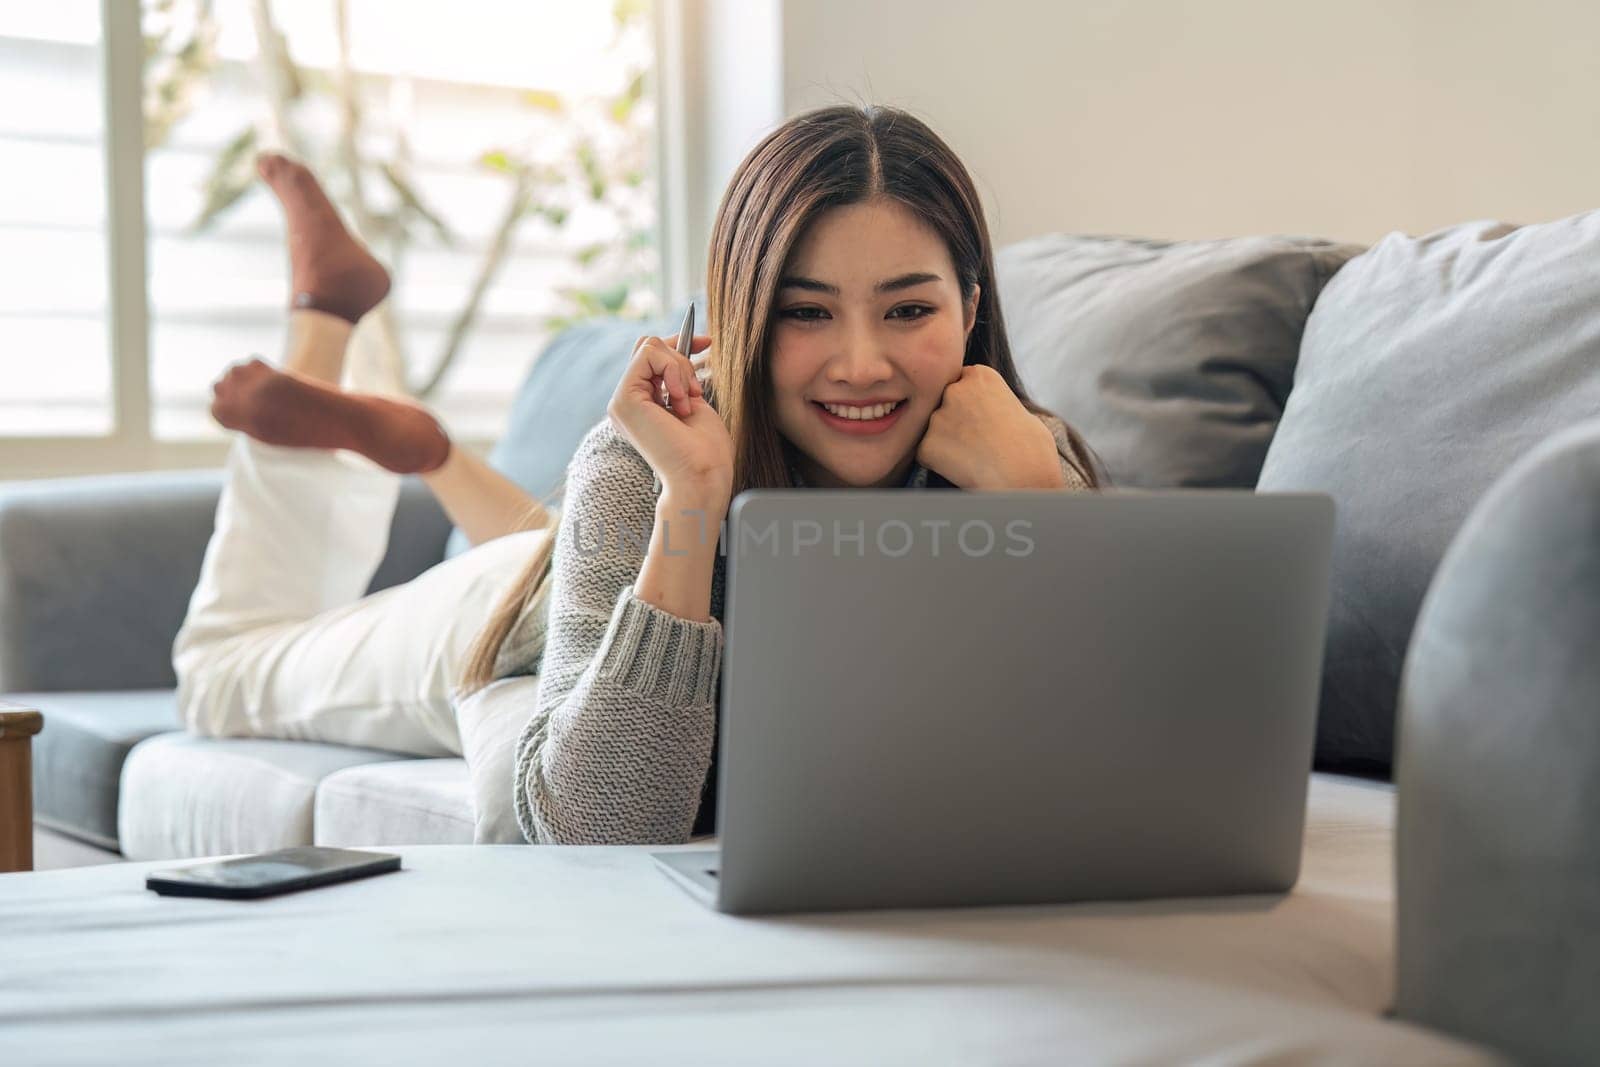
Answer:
(904, 281)
(795, 281)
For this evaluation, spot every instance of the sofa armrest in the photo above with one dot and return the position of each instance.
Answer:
(1498, 851)
(96, 573)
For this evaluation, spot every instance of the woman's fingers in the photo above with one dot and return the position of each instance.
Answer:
(691, 377)
(658, 352)
(675, 392)
(678, 378)
(657, 363)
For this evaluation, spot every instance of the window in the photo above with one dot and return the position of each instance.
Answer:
(56, 355)
(496, 154)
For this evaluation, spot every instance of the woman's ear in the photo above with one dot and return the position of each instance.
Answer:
(969, 310)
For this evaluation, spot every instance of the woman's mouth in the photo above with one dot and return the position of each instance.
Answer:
(860, 418)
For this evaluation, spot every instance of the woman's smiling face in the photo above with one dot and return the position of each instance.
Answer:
(868, 321)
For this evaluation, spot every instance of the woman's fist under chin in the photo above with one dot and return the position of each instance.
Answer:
(687, 446)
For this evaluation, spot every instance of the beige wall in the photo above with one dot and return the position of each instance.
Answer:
(1193, 118)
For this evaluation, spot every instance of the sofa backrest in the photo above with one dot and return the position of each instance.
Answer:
(96, 573)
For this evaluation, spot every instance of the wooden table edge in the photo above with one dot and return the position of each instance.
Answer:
(18, 724)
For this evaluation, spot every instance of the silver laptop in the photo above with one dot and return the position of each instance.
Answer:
(952, 698)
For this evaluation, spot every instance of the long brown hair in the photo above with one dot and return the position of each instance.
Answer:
(823, 159)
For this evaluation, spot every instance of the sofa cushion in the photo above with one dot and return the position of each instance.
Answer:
(1429, 366)
(1173, 359)
(77, 758)
(185, 796)
(562, 398)
(418, 802)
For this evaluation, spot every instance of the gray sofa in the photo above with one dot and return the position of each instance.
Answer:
(1184, 364)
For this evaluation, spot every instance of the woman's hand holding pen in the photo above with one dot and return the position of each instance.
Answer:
(660, 407)
(686, 443)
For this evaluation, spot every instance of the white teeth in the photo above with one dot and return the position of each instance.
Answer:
(876, 411)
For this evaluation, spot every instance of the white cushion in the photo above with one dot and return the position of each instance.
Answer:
(416, 802)
(184, 796)
(491, 721)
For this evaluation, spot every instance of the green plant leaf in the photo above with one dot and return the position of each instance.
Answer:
(220, 197)
(239, 149)
(586, 302)
(613, 297)
(589, 163)
(554, 214)
(231, 176)
(544, 100)
(496, 159)
(622, 107)
(587, 255)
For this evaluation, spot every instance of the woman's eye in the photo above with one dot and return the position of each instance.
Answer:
(804, 314)
(911, 312)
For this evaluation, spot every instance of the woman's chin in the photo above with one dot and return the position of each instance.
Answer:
(865, 476)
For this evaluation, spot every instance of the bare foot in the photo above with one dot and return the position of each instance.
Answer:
(280, 408)
(328, 268)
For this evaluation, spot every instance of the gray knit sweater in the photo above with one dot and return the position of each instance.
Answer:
(620, 741)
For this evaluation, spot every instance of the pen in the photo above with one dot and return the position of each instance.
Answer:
(685, 339)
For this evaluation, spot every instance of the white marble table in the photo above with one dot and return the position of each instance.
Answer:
(590, 955)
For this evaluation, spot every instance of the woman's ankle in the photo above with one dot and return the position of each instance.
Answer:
(316, 345)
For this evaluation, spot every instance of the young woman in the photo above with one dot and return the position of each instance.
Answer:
(856, 340)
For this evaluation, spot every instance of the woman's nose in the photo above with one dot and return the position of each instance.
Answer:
(861, 359)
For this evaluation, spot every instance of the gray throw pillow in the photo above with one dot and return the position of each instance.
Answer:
(1430, 365)
(1173, 358)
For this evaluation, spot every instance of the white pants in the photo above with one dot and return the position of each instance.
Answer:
(279, 640)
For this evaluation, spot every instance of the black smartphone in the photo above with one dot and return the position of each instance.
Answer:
(270, 873)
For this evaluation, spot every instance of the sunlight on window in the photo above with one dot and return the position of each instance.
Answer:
(495, 154)
(56, 363)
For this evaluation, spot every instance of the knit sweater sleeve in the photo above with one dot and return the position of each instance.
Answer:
(619, 744)
(1073, 462)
